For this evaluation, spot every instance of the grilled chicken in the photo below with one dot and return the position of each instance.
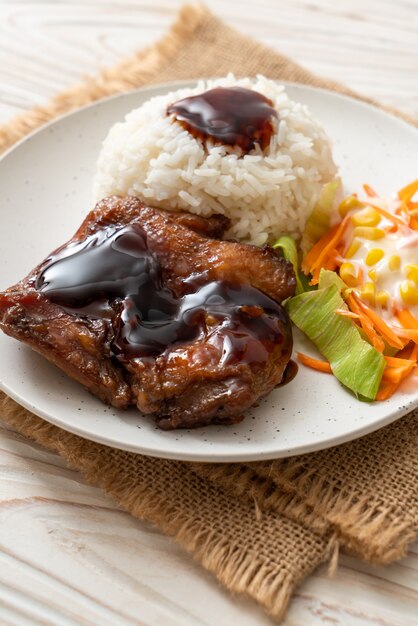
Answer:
(150, 308)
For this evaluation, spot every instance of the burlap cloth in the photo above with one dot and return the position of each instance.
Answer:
(262, 527)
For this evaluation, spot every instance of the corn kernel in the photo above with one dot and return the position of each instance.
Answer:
(368, 293)
(369, 232)
(409, 292)
(374, 256)
(366, 217)
(348, 274)
(382, 298)
(412, 273)
(394, 263)
(348, 204)
(373, 275)
(352, 249)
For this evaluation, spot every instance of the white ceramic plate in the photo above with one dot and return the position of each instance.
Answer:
(45, 184)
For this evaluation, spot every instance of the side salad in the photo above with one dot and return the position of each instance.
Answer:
(357, 287)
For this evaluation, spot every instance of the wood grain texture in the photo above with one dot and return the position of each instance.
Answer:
(368, 45)
(68, 555)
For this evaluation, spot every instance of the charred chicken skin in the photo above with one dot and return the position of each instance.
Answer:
(149, 308)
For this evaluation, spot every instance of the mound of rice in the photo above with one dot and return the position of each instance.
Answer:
(264, 194)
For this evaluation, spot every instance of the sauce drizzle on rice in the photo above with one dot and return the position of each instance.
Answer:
(265, 193)
(232, 116)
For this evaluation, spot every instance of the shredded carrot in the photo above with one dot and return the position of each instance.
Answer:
(397, 374)
(315, 364)
(386, 390)
(346, 313)
(324, 248)
(389, 216)
(366, 324)
(370, 192)
(395, 361)
(397, 369)
(406, 352)
(407, 193)
(334, 241)
(331, 263)
(414, 353)
(392, 378)
(387, 332)
(311, 256)
(405, 334)
(406, 319)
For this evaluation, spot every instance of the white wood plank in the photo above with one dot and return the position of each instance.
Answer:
(371, 46)
(65, 546)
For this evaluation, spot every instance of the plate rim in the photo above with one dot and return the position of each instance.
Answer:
(186, 83)
(214, 457)
(330, 442)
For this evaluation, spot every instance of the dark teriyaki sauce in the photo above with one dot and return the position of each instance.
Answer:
(232, 116)
(289, 373)
(114, 274)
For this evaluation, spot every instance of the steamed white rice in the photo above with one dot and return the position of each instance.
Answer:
(264, 194)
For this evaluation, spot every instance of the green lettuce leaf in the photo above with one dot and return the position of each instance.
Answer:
(355, 362)
(327, 278)
(319, 220)
(290, 252)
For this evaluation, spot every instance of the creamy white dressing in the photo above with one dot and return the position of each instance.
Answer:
(402, 243)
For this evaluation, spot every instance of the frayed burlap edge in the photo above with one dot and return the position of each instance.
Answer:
(367, 527)
(238, 567)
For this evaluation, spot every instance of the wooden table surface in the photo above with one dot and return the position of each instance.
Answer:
(68, 555)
